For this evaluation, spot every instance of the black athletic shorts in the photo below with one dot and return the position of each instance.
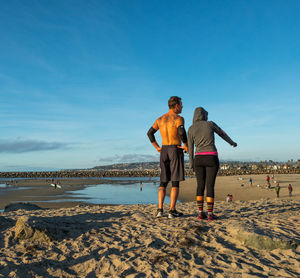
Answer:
(171, 163)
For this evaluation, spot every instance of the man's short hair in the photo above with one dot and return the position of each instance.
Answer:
(173, 101)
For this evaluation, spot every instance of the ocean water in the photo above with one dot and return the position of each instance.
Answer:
(128, 194)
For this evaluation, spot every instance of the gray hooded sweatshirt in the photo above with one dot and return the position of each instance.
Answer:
(201, 134)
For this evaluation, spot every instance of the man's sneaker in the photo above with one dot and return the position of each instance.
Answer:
(202, 216)
(159, 213)
(211, 217)
(174, 213)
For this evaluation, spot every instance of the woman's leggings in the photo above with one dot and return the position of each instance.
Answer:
(206, 169)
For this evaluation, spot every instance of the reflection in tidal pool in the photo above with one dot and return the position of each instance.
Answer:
(135, 193)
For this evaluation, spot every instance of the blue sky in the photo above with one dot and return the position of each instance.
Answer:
(81, 82)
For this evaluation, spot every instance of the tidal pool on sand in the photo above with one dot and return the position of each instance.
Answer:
(129, 194)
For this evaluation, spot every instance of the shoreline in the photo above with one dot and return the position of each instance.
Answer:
(45, 196)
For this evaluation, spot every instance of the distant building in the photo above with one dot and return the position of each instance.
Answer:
(297, 165)
(254, 167)
(224, 167)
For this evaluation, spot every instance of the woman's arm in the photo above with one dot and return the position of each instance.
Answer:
(223, 135)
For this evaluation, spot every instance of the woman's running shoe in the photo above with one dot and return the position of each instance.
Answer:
(202, 216)
(211, 217)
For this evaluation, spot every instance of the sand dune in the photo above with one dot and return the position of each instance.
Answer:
(250, 239)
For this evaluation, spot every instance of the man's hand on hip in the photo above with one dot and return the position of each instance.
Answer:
(156, 146)
(185, 148)
(158, 149)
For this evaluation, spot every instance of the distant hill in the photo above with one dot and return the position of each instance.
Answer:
(224, 165)
(129, 166)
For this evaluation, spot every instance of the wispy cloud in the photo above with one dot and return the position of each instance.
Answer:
(129, 158)
(22, 146)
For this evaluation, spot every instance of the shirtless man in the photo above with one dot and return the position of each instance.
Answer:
(172, 131)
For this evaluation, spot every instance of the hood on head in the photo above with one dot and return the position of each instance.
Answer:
(200, 114)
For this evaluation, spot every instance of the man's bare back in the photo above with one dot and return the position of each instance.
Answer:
(168, 125)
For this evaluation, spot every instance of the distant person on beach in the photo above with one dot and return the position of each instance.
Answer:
(268, 181)
(171, 127)
(205, 161)
(290, 188)
(250, 181)
(277, 189)
(229, 198)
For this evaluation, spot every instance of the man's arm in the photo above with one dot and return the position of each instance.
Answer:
(183, 137)
(152, 139)
(182, 133)
(191, 148)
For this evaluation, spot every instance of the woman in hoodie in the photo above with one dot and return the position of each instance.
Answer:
(205, 162)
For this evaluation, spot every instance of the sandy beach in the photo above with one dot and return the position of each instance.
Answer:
(127, 241)
(233, 185)
(256, 236)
